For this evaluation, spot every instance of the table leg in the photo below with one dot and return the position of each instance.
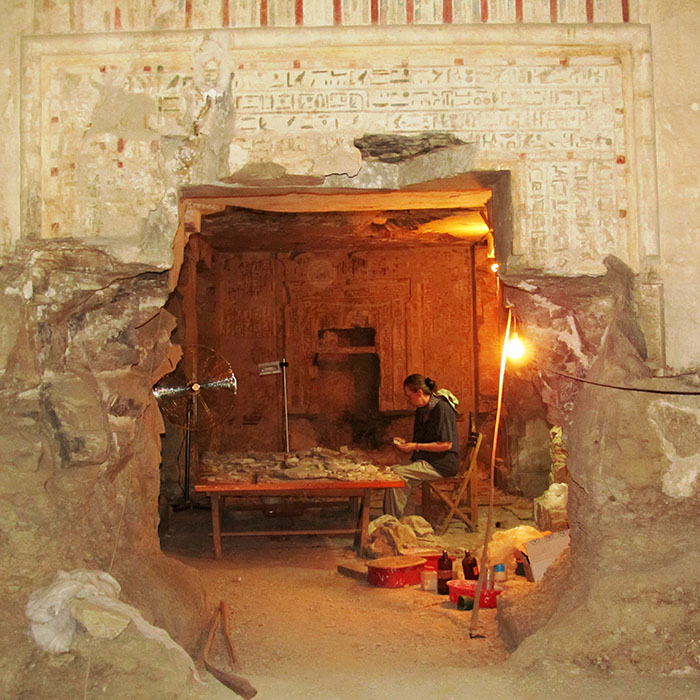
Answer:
(363, 522)
(216, 524)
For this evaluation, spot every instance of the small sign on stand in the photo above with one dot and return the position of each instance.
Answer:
(266, 368)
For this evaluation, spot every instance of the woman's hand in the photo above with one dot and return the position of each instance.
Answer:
(402, 446)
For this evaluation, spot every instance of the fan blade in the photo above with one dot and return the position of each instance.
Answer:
(225, 383)
(171, 391)
(204, 380)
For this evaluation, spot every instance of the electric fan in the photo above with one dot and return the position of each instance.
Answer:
(197, 395)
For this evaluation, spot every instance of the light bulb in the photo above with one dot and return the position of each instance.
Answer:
(494, 267)
(515, 349)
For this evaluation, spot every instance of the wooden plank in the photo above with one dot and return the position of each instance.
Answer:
(273, 533)
(278, 488)
(364, 522)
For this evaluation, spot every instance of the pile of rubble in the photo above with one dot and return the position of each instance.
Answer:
(317, 463)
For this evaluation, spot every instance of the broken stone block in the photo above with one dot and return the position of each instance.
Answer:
(74, 411)
(559, 471)
(97, 620)
(551, 508)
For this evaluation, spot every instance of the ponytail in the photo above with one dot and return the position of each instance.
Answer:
(417, 382)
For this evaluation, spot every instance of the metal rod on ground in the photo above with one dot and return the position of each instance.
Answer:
(474, 622)
(188, 446)
(284, 364)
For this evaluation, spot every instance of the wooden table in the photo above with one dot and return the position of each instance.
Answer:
(358, 492)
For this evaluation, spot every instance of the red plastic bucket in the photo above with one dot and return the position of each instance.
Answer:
(395, 572)
(459, 587)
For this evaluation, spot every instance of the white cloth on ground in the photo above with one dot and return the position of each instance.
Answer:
(53, 625)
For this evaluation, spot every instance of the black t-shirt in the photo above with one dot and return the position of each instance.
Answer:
(437, 422)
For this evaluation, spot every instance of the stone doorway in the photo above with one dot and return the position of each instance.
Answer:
(356, 289)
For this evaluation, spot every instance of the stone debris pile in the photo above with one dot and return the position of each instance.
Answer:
(316, 463)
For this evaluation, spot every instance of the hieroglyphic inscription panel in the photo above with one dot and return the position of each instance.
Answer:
(561, 119)
(104, 123)
(247, 333)
(119, 132)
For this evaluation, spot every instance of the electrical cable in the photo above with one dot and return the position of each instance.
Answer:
(671, 392)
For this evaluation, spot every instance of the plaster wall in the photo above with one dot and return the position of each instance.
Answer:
(674, 30)
(197, 109)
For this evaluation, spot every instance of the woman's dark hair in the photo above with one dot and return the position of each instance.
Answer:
(417, 382)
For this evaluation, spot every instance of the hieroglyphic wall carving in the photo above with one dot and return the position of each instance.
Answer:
(418, 301)
(562, 119)
(559, 121)
(418, 304)
(247, 334)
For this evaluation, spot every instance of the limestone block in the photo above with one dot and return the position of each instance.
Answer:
(531, 484)
(524, 610)
(99, 621)
(442, 163)
(10, 314)
(559, 472)
(530, 473)
(551, 508)
(21, 444)
(75, 413)
(677, 427)
(650, 304)
(315, 155)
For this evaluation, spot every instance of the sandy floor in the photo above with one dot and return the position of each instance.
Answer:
(303, 630)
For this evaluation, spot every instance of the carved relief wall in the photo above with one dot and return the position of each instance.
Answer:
(411, 308)
(122, 133)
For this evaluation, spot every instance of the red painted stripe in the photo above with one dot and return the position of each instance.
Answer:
(337, 12)
(518, 10)
(188, 13)
(374, 12)
(625, 11)
(263, 13)
(484, 10)
(447, 11)
(117, 18)
(553, 11)
(410, 12)
(589, 11)
(225, 14)
(299, 13)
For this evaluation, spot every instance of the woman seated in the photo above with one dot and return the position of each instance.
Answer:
(434, 447)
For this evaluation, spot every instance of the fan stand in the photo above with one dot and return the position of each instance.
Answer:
(189, 504)
(187, 397)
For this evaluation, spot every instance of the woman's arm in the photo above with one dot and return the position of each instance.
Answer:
(424, 446)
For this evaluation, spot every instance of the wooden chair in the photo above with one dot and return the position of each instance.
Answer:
(456, 493)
